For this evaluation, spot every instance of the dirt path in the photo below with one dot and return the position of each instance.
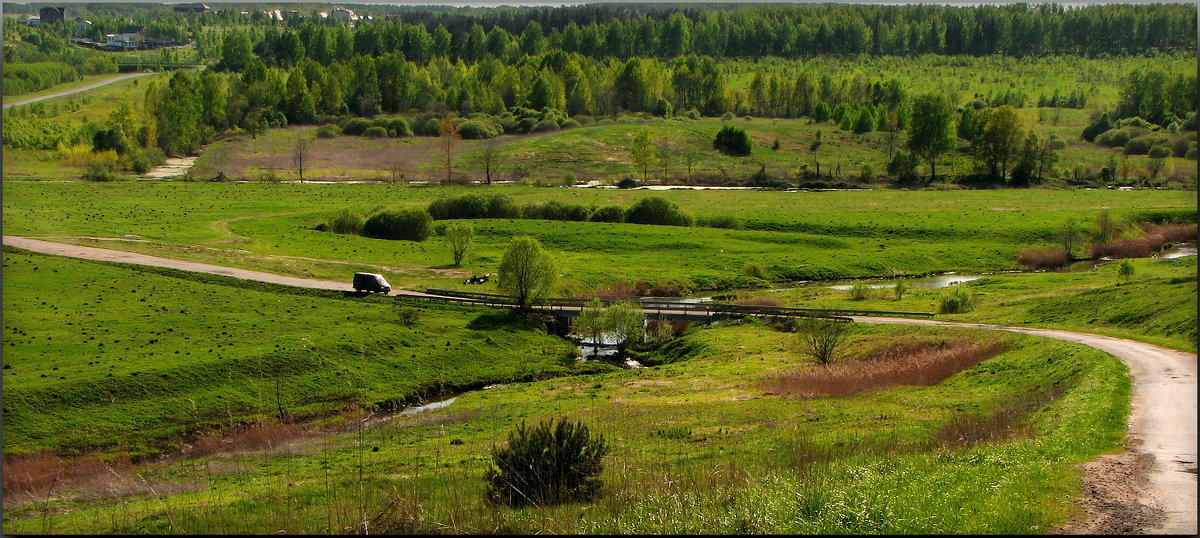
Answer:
(76, 90)
(1162, 425)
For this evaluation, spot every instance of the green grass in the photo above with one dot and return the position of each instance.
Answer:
(1157, 306)
(105, 356)
(696, 447)
(794, 235)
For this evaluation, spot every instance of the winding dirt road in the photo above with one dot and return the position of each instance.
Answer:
(1162, 423)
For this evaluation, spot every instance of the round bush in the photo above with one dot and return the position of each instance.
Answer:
(732, 140)
(1159, 152)
(609, 213)
(328, 131)
(479, 129)
(627, 183)
(355, 126)
(408, 224)
(657, 210)
(375, 132)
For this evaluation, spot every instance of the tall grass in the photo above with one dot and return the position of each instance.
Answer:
(922, 364)
(1155, 237)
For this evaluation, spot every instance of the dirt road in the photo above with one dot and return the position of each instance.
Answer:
(76, 90)
(1162, 424)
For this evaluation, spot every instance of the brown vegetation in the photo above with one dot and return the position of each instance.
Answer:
(761, 300)
(1043, 258)
(926, 363)
(259, 435)
(1155, 237)
(1001, 424)
(625, 290)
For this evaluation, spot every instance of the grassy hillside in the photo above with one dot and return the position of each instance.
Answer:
(696, 446)
(102, 356)
(794, 235)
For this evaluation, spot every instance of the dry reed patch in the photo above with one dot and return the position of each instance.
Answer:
(29, 477)
(925, 363)
(1043, 258)
(758, 301)
(1156, 236)
(260, 435)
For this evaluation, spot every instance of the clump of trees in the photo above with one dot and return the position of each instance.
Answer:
(623, 321)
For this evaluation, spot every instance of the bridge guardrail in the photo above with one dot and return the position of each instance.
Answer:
(658, 305)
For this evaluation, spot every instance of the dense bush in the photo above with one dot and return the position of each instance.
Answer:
(627, 183)
(409, 224)
(375, 132)
(1116, 137)
(477, 129)
(1143, 144)
(399, 126)
(956, 300)
(657, 210)
(346, 222)
(732, 140)
(1045, 258)
(610, 213)
(328, 131)
(1094, 129)
(474, 206)
(550, 463)
(356, 126)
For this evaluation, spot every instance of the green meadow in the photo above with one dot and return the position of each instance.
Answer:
(793, 235)
(700, 439)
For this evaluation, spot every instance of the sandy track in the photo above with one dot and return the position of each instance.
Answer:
(1162, 422)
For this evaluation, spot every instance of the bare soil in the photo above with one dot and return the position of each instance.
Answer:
(1114, 486)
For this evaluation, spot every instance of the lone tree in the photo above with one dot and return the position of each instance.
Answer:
(733, 141)
(447, 141)
(460, 235)
(626, 321)
(526, 271)
(641, 152)
(932, 131)
(487, 157)
(300, 155)
(551, 463)
(814, 147)
(590, 322)
(821, 338)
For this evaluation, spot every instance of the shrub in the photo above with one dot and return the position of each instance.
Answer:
(754, 270)
(956, 300)
(1097, 127)
(375, 132)
(859, 292)
(627, 183)
(409, 224)
(1125, 271)
(478, 129)
(1159, 152)
(474, 206)
(346, 222)
(356, 126)
(609, 213)
(1179, 147)
(733, 141)
(657, 210)
(400, 127)
(328, 131)
(550, 463)
(721, 221)
(900, 289)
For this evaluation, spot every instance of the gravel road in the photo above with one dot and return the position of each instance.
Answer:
(1162, 423)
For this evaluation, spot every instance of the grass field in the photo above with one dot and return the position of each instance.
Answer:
(118, 358)
(794, 235)
(698, 439)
